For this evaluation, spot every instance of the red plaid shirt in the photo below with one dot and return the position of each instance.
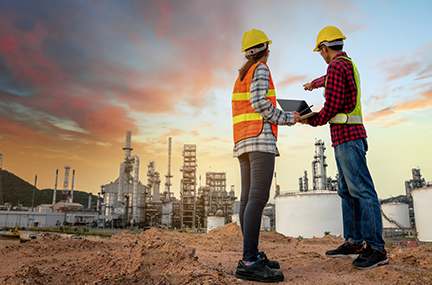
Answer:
(340, 97)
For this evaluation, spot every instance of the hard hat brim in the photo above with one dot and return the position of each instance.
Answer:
(269, 42)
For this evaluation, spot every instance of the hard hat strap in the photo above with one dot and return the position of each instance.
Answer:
(254, 51)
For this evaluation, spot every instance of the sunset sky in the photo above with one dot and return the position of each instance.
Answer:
(76, 75)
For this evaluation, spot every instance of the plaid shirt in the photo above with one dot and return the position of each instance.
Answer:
(265, 141)
(340, 97)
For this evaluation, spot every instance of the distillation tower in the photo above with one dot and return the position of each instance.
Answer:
(320, 181)
(188, 186)
(124, 199)
(416, 182)
(319, 165)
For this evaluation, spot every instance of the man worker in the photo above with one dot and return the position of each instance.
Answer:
(342, 109)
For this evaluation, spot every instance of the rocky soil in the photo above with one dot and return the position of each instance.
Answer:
(163, 257)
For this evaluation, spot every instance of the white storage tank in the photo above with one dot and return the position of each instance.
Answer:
(265, 223)
(395, 211)
(214, 222)
(309, 214)
(422, 201)
(236, 219)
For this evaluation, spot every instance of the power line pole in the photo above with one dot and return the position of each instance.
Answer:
(34, 190)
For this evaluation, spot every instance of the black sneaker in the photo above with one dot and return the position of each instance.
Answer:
(346, 250)
(370, 258)
(258, 272)
(270, 263)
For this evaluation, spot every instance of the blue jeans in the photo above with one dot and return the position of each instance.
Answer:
(361, 211)
(256, 177)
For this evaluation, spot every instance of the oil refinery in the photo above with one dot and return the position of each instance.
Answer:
(126, 201)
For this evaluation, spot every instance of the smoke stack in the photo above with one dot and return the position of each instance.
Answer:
(168, 176)
(66, 178)
(89, 200)
(98, 202)
(55, 189)
(72, 187)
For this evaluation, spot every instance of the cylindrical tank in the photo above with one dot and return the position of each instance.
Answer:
(308, 214)
(236, 219)
(110, 199)
(422, 198)
(397, 212)
(214, 222)
(265, 223)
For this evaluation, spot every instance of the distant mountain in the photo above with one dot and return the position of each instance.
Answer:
(18, 191)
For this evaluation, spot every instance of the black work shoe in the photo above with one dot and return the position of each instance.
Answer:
(370, 258)
(346, 250)
(258, 272)
(270, 263)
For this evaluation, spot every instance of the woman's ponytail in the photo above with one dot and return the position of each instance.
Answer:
(252, 59)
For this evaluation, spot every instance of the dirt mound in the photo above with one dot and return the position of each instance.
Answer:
(158, 256)
(328, 239)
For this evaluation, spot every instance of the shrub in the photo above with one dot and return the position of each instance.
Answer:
(326, 233)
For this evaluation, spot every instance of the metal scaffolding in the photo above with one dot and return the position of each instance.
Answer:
(188, 186)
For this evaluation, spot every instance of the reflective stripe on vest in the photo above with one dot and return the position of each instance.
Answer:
(354, 117)
(246, 122)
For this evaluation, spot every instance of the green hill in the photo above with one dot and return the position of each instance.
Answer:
(17, 191)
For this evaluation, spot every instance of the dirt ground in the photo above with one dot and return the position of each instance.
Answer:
(163, 257)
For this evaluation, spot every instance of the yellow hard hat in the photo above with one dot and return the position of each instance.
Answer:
(254, 37)
(328, 34)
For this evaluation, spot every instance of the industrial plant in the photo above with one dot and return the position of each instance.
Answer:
(128, 201)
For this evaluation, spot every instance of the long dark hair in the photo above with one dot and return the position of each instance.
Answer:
(252, 59)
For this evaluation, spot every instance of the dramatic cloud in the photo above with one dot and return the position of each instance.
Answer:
(290, 79)
(421, 102)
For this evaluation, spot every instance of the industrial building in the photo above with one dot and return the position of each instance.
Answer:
(410, 213)
(129, 202)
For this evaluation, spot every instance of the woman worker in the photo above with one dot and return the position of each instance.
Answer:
(255, 124)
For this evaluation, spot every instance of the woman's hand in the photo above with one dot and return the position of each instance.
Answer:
(296, 117)
(308, 86)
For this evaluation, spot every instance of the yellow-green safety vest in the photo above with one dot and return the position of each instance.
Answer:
(354, 117)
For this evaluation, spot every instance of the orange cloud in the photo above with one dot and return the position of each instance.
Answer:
(290, 79)
(196, 133)
(421, 102)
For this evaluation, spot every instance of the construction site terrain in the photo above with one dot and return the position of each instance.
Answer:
(159, 256)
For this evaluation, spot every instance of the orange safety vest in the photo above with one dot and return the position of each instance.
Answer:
(246, 122)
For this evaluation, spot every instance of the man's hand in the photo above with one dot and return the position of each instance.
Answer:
(308, 86)
(304, 121)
